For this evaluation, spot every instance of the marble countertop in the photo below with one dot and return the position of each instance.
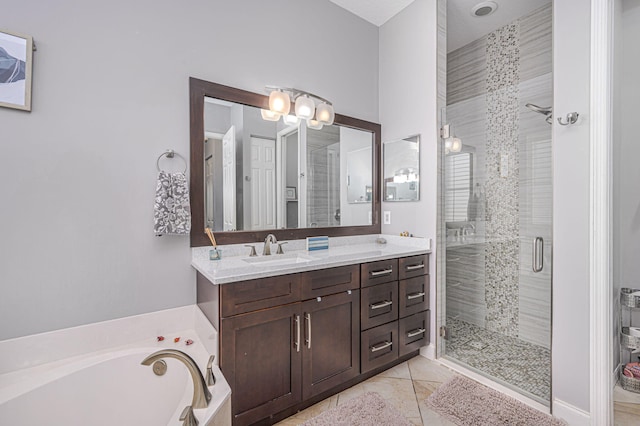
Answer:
(236, 265)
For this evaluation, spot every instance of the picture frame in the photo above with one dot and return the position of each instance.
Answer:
(291, 193)
(16, 59)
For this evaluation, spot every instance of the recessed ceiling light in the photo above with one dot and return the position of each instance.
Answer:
(484, 8)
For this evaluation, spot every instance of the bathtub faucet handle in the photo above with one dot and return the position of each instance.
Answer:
(187, 417)
(211, 379)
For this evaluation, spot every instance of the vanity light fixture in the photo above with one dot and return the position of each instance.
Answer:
(406, 174)
(280, 99)
(290, 120)
(452, 144)
(269, 115)
(279, 102)
(314, 124)
(305, 107)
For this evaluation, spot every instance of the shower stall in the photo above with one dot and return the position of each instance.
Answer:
(495, 187)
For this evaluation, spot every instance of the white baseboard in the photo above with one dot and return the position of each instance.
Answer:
(572, 415)
(428, 351)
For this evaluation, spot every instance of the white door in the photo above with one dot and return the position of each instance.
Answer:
(263, 183)
(229, 179)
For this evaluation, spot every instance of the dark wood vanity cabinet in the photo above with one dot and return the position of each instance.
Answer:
(288, 339)
(395, 309)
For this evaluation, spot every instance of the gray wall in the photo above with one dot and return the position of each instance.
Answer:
(110, 93)
(408, 66)
(626, 150)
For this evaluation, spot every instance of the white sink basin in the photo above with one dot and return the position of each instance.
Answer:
(279, 259)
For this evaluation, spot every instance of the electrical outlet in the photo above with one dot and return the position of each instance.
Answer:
(387, 217)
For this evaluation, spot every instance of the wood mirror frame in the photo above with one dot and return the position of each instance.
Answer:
(198, 89)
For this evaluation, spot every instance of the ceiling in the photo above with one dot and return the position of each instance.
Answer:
(463, 27)
(375, 11)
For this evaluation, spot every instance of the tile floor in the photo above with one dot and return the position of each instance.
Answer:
(407, 385)
(508, 359)
(626, 407)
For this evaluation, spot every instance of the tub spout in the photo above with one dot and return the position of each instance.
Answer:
(201, 395)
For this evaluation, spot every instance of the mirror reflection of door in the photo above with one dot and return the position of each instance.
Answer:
(213, 181)
(229, 179)
(287, 143)
(263, 183)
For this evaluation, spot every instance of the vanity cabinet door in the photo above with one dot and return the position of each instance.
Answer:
(261, 359)
(331, 351)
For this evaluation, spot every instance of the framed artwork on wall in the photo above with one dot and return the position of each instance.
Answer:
(16, 57)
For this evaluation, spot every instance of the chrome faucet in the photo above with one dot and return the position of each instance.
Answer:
(201, 395)
(266, 251)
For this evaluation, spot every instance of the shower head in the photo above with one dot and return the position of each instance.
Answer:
(538, 109)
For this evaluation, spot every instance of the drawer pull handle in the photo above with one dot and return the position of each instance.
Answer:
(297, 343)
(307, 318)
(381, 304)
(415, 295)
(380, 347)
(380, 273)
(416, 332)
(415, 267)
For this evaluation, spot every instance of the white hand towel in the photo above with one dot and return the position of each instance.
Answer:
(172, 211)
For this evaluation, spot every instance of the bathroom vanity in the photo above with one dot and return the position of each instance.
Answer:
(289, 340)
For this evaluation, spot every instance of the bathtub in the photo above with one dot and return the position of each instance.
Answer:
(110, 387)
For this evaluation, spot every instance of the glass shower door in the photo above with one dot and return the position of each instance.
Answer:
(496, 195)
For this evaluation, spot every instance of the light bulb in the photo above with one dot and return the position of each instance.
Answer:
(456, 145)
(314, 124)
(305, 107)
(325, 114)
(279, 102)
(290, 120)
(269, 115)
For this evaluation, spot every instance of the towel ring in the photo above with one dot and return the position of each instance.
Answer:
(170, 154)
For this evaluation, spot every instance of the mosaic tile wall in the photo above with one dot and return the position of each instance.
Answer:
(490, 283)
(502, 250)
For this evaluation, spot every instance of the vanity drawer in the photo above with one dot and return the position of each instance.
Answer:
(330, 281)
(413, 295)
(379, 346)
(378, 304)
(413, 266)
(246, 296)
(413, 332)
(379, 272)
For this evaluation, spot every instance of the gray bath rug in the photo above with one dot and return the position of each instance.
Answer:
(366, 410)
(468, 403)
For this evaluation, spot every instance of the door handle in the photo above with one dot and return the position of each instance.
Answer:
(297, 342)
(307, 319)
(538, 254)
(380, 273)
(381, 304)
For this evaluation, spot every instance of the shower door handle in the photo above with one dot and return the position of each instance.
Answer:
(538, 254)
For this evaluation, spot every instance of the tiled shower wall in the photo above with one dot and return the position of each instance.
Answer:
(489, 81)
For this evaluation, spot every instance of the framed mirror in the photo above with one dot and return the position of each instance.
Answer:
(402, 169)
(251, 176)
